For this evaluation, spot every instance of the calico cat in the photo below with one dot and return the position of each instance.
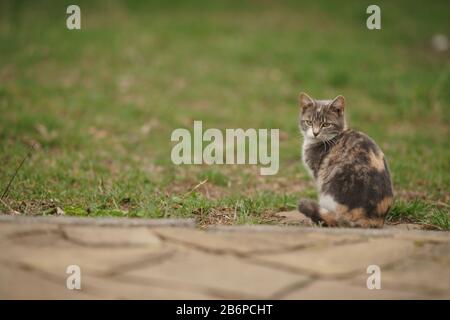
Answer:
(350, 170)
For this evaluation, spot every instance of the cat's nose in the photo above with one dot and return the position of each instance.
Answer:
(315, 133)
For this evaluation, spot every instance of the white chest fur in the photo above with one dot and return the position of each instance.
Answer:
(305, 146)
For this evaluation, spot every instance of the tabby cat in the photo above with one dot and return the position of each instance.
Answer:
(350, 170)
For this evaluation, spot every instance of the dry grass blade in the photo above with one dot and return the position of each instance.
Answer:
(5, 192)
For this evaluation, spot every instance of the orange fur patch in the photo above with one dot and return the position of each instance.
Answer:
(376, 161)
(384, 205)
(329, 217)
(357, 214)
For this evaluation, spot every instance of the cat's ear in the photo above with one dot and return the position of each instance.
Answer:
(338, 105)
(305, 101)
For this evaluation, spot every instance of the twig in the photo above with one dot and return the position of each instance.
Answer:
(438, 203)
(115, 203)
(431, 226)
(195, 188)
(7, 206)
(5, 192)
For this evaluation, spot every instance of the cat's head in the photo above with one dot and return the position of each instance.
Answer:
(321, 120)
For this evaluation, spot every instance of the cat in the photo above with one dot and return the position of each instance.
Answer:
(350, 170)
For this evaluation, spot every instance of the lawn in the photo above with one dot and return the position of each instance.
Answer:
(94, 108)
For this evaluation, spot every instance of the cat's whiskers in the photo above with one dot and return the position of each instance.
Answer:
(325, 144)
(328, 143)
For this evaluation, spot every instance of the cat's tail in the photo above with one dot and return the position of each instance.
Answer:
(328, 218)
(312, 210)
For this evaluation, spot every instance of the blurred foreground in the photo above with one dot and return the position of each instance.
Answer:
(138, 259)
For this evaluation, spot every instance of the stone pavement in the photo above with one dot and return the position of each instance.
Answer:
(170, 259)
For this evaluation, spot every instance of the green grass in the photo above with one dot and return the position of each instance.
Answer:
(100, 104)
(417, 211)
(228, 210)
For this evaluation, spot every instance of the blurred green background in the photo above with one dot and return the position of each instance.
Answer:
(100, 103)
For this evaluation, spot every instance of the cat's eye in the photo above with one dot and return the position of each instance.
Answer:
(326, 125)
(308, 122)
